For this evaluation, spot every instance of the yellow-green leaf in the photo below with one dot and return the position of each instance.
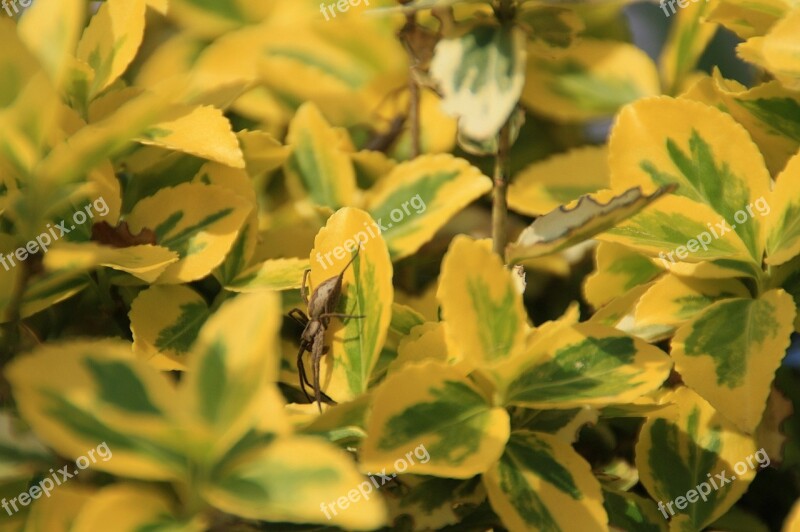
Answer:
(78, 394)
(50, 29)
(699, 148)
(317, 166)
(590, 79)
(276, 274)
(198, 222)
(748, 18)
(133, 508)
(628, 511)
(165, 321)
(579, 221)
(111, 41)
(483, 312)
(543, 186)
(783, 222)
(293, 479)
(234, 357)
(355, 343)
(777, 50)
(584, 364)
(418, 197)
(688, 36)
(433, 406)
(618, 270)
(145, 262)
(481, 74)
(202, 131)
(672, 299)
(689, 446)
(541, 483)
(729, 353)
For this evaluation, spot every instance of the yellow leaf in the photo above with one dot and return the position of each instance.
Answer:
(543, 186)
(483, 312)
(705, 448)
(317, 166)
(145, 262)
(111, 41)
(355, 343)
(590, 79)
(198, 222)
(435, 187)
(469, 434)
(50, 29)
(730, 351)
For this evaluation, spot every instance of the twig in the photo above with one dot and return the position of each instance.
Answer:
(502, 173)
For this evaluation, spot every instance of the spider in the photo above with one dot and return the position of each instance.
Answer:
(321, 307)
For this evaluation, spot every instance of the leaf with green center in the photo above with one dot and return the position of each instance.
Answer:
(618, 270)
(783, 221)
(198, 222)
(165, 321)
(355, 343)
(683, 233)
(689, 35)
(584, 364)
(541, 483)
(432, 406)
(232, 361)
(288, 479)
(581, 220)
(101, 393)
(481, 74)
(317, 166)
(590, 79)
(111, 41)
(729, 353)
(672, 300)
(699, 148)
(417, 198)
(689, 446)
(482, 308)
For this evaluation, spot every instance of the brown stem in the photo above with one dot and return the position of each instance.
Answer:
(413, 113)
(502, 173)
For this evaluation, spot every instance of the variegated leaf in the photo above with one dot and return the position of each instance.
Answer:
(730, 351)
(434, 406)
(541, 483)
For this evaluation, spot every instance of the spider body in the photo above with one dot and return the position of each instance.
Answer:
(321, 308)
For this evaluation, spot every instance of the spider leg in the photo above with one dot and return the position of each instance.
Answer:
(317, 351)
(299, 316)
(303, 291)
(337, 315)
(302, 371)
